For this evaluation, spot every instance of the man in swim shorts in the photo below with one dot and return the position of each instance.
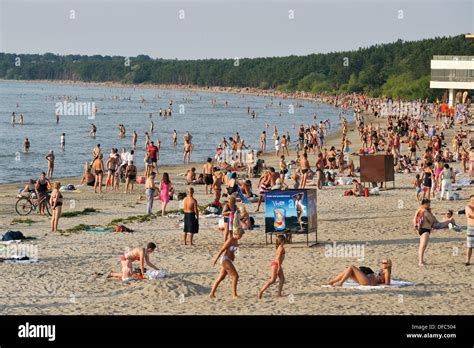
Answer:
(208, 170)
(191, 216)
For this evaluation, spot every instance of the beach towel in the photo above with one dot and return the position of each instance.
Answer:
(98, 230)
(393, 284)
(241, 196)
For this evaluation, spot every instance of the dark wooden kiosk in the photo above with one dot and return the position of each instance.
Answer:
(377, 168)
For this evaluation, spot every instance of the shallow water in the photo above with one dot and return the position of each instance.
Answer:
(206, 122)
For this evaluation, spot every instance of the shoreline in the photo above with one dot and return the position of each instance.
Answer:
(333, 133)
(176, 167)
(254, 91)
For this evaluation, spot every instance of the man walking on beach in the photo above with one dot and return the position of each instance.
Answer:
(150, 189)
(208, 170)
(470, 229)
(191, 216)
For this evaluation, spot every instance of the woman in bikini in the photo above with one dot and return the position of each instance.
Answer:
(226, 257)
(228, 212)
(283, 169)
(305, 168)
(131, 175)
(277, 270)
(364, 275)
(427, 180)
(217, 186)
(438, 169)
(165, 188)
(137, 254)
(56, 202)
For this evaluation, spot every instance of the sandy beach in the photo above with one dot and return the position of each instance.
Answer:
(64, 281)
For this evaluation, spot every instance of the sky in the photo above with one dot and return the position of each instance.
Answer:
(198, 29)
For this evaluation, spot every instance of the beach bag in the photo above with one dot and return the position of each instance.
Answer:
(348, 193)
(13, 235)
(181, 195)
(419, 218)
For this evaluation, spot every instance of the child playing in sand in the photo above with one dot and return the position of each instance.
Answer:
(137, 254)
(277, 270)
(417, 185)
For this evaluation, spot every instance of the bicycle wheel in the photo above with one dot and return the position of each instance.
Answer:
(48, 207)
(23, 206)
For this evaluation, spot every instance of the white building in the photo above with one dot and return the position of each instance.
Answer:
(452, 73)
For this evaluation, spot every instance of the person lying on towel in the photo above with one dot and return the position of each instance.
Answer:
(365, 275)
(137, 254)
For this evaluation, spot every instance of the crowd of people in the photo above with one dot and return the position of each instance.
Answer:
(413, 133)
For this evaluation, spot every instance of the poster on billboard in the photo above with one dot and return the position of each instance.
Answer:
(291, 212)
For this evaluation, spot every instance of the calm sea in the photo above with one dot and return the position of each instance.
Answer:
(193, 111)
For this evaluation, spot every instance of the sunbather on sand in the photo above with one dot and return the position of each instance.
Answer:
(364, 275)
(137, 254)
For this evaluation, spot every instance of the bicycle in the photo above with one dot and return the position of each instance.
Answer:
(26, 204)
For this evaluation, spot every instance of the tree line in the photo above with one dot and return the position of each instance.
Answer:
(399, 70)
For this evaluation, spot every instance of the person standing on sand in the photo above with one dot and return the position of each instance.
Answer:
(165, 188)
(134, 139)
(42, 187)
(98, 167)
(150, 189)
(305, 168)
(471, 162)
(191, 216)
(277, 270)
(112, 165)
(208, 170)
(50, 158)
(320, 171)
(228, 251)
(56, 202)
(263, 141)
(424, 222)
(470, 229)
(131, 176)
